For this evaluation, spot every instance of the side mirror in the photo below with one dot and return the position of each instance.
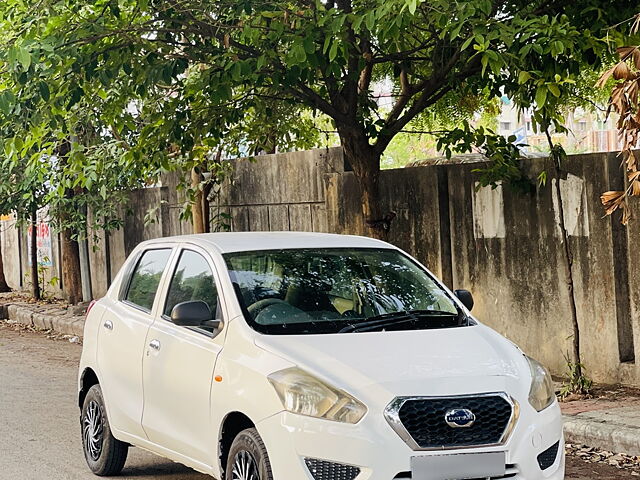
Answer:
(191, 314)
(465, 297)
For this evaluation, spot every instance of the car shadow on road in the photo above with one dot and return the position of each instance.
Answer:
(158, 469)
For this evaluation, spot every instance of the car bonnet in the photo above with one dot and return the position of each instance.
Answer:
(404, 362)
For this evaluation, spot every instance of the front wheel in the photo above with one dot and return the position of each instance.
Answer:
(248, 459)
(104, 454)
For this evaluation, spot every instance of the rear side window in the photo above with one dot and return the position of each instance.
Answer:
(146, 278)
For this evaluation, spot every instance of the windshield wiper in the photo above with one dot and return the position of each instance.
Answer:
(395, 318)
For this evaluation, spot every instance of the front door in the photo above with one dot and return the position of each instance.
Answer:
(178, 367)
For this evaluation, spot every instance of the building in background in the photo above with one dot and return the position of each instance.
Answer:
(589, 131)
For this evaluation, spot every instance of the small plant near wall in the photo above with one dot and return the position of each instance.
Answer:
(45, 295)
(578, 383)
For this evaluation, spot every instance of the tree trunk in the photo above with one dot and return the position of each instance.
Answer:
(4, 287)
(206, 207)
(568, 269)
(567, 257)
(71, 276)
(365, 161)
(271, 144)
(71, 269)
(197, 212)
(35, 281)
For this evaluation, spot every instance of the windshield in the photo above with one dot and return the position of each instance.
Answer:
(334, 290)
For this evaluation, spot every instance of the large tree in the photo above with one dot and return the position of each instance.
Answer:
(179, 72)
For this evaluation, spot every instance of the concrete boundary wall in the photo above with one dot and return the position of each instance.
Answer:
(504, 246)
(282, 192)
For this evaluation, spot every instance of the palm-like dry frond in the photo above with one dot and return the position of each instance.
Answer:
(624, 101)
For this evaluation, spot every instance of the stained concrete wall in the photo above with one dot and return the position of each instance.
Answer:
(629, 371)
(149, 213)
(504, 246)
(507, 248)
(9, 241)
(413, 195)
(280, 192)
(269, 192)
(16, 258)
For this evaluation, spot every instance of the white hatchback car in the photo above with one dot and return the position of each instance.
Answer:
(291, 356)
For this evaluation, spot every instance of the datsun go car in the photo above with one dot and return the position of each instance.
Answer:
(296, 356)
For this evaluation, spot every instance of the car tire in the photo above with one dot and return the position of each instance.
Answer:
(248, 456)
(104, 454)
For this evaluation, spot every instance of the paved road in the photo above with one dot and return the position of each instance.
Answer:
(39, 425)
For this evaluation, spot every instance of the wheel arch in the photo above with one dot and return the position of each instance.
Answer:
(232, 425)
(88, 379)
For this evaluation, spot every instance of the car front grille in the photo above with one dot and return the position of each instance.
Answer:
(548, 457)
(422, 421)
(324, 470)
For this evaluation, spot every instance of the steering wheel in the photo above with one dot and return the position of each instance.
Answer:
(260, 305)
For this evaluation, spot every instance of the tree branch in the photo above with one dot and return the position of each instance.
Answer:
(431, 90)
(307, 95)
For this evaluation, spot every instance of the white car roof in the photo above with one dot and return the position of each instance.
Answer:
(227, 242)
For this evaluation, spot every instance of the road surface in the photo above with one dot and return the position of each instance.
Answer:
(39, 426)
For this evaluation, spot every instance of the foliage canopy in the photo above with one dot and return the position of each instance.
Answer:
(159, 78)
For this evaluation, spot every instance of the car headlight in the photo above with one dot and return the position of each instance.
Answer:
(542, 393)
(306, 395)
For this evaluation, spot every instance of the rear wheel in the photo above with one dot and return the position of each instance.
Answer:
(104, 454)
(248, 459)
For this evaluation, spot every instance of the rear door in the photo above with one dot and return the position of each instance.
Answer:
(179, 364)
(121, 340)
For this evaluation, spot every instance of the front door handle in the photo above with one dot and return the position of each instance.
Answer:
(155, 344)
(108, 325)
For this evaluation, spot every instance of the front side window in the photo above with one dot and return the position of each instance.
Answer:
(192, 280)
(146, 278)
(338, 290)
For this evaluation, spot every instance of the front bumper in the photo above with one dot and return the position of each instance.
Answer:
(380, 454)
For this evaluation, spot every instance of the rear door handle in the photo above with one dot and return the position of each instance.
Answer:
(108, 325)
(155, 344)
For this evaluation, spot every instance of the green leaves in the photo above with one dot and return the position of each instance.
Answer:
(541, 96)
(492, 59)
(7, 100)
(298, 54)
(523, 77)
(333, 51)
(45, 93)
(505, 157)
(75, 96)
(24, 57)
(309, 45)
(554, 89)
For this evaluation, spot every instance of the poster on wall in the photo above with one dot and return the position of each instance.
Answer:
(43, 244)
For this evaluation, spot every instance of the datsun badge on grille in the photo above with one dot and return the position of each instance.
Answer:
(459, 418)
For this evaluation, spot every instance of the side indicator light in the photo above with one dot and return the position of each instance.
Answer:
(217, 378)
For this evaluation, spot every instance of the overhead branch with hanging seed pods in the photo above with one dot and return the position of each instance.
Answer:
(624, 101)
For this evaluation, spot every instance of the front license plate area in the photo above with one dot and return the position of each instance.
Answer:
(458, 466)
